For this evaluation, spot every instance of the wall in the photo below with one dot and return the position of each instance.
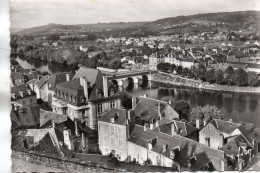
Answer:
(27, 101)
(137, 152)
(69, 164)
(104, 131)
(209, 131)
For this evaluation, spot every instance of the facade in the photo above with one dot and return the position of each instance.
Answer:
(23, 95)
(113, 130)
(84, 99)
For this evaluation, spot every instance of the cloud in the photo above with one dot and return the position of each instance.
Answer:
(28, 13)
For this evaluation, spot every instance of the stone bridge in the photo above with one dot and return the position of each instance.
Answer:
(126, 78)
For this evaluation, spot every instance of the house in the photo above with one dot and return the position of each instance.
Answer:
(148, 145)
(86, 97)
(23, 95)
(232, 138)
(51, 84)
(114, 129)
(24, 117)
(147, 108)
(181, 128)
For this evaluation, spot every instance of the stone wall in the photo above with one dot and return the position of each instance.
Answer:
(67, 164)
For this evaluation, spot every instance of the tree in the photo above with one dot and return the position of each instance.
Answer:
(219, 76)
(207, 113)
(186, 71)
(200, 72)
(114, 64)
(179, 70)
(210, 76)
(229, 75)
(256, 134)
(126, 100)
(172, 67)
(241, 77)
(252, 79)
(249, 126)
(182, 107)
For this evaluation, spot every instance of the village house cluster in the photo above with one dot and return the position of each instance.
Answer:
(62, 114)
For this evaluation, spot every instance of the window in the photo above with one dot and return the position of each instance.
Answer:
(207, 141)
(99, 108)
(112, 104)
(120, 142)
(112, 129)
(112, 140)
(119, 130)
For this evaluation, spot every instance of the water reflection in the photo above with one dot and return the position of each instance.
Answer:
(241, 107)
(44, 66)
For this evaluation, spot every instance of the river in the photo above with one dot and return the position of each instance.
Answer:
(240, 107)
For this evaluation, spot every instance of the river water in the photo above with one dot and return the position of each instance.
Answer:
(240, 107)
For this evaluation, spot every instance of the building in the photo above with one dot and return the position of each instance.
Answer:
(114, 129)
(23, 95)
(86, 97)
(147, 144)
(232, 138)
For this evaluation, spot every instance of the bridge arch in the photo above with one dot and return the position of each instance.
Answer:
(115, 83)
(129, 83)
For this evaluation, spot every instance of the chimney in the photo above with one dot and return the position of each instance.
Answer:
(67, 77)
(105, 86)
(198, 123)
(173, 129)
(83, 141)
(112, 120)
(133, 102)
(129, 115)
(76, 128)
(165, 147)
(145, 126)
(68, 139)
(85, 86)
(159, 111)
(205, 122)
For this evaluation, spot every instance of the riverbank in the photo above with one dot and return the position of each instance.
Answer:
(176, 80)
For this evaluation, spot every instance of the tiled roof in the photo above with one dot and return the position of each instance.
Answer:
(21, 88)
(146, 103)
(58, 78)
(225, 126)
(47, 116)
(188, 147)
(233, 144)
(89, 73)
(26, 116)
(42, 81)
(120, 116)
(184, 128)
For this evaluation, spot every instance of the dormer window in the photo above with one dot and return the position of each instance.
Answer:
(99, 94)
(21, 93)
(14, 96)
(174, 152)
(83, 100)
(29, 92)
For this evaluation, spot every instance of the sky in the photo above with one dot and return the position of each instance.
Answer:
(30, 13)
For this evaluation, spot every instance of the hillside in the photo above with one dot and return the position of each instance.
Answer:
(191, 23)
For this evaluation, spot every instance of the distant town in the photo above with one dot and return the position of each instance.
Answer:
(85, 100)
